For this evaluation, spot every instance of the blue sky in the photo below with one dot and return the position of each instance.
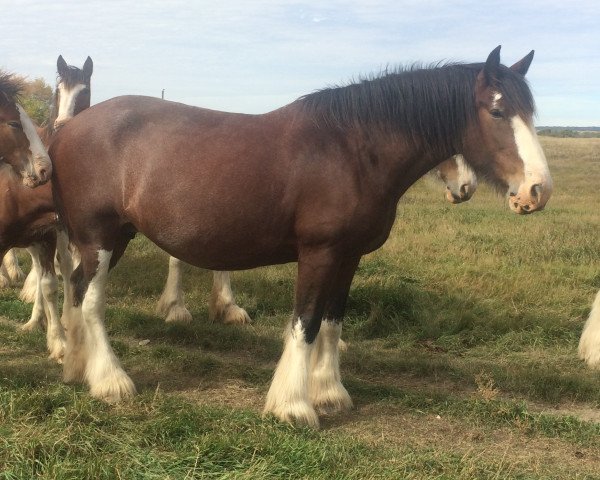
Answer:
(254, 56)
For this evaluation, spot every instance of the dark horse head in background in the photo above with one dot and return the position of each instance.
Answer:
(73, 91)
(20, 145)
(316, 181)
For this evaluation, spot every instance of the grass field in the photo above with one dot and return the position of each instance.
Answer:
(462, 358)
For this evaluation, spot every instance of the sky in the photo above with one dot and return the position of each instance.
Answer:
(255, 56)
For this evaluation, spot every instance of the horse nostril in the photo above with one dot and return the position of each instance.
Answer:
(536, 191)
(42, 173)
(464, 190)
(526, 208)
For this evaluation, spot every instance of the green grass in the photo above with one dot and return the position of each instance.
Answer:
(462, 362)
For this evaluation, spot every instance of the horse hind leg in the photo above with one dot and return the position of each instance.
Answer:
(89, 353)
(29, 291)
(222, 306)
(171, 304)
(10, 262)
(589, 343)
(38, 314)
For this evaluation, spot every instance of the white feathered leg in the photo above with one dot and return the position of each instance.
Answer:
(29, 290)
(589, 343)
(325, 388)
(171, 304)
(38, 316)
(103, 372)
(65, 264)
(222, 305)
(55, 335)
(287, 398)
(11, 263)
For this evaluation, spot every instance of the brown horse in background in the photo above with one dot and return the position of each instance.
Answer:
(316, 182)
(71, 96)
(20, 145)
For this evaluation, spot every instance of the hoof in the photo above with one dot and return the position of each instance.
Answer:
(178, 315)
(4, 281)
(296, 413)
(235, 314)
(332, 400)
(57, 352)
(114, 388)
(31, 326)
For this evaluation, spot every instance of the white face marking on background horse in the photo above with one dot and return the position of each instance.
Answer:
(39, 164)
(466, 175)
(67, 100)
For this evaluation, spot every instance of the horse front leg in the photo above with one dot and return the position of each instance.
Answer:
(222, 306)
(288, 397)
(171, 304)
(89, 354)
(326, 391)
(589, 343)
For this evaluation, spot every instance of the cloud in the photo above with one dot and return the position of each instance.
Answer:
(268, 50)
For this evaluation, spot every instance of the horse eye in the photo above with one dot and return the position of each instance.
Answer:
(14, 124)
(496, 113)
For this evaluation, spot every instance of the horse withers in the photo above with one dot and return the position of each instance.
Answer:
(316, 181)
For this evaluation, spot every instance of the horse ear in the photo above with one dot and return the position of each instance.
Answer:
(88, 67)
(492, 65)
(61, 65)
(522, 65)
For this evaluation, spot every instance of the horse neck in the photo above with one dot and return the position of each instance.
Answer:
(399, 159)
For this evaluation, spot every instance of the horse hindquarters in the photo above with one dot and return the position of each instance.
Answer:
(307, 375)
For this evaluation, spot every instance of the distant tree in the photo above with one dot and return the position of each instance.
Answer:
(36, 99)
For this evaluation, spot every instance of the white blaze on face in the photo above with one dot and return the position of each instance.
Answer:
(535, 165)
(496, 99)
(36, 147)
(66, 104)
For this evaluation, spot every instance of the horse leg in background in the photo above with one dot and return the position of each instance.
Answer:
(42, 254)
(288, 396)
(29, 291)
(222, 305)
(89, 355)
(65, 263)
(11, 271)
(589, 343)
(38, 316)
(325, 388)
(171, 304)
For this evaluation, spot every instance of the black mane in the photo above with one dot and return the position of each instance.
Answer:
(432, 104)
(10, 86)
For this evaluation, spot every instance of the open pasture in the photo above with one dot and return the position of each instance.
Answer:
(462, 358)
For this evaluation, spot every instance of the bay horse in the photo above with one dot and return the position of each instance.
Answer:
(316, 182)
(455, 172)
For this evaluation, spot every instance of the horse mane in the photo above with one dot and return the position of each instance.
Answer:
(10, 86)
(431, 104)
